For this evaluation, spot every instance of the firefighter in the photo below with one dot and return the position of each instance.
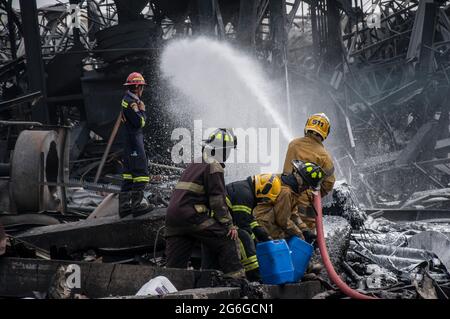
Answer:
(310, 149)
(197, 210)
(135, 173)
(242, 197)
(279, 216)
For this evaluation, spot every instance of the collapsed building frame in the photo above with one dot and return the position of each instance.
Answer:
(384, 66)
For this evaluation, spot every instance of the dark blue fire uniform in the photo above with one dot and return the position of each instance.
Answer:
(241, 200)
(135, 173)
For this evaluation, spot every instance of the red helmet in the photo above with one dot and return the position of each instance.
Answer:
(135, 78)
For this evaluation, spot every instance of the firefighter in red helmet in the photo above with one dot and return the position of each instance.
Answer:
(135, 173)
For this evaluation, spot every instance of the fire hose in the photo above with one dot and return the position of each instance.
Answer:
(317, 203)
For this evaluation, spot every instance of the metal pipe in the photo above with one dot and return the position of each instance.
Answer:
(389, 262)
(33, 97)
(179, 169)
(108, 50)
(35, 64)
(108, 146)
(398, 262)
(359, 279)
(390, 250)
(288, 90)
(428, 175)
(10, 123)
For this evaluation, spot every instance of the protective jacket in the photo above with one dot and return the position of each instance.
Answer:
(135, 173)
(280, 219)
(241, 200)
(134, 119)
(198, 201)
(309, 149)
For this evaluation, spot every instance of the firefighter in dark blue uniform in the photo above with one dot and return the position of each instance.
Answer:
(135, 172)
(242, 197)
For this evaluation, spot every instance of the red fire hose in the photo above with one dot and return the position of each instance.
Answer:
(326, 258)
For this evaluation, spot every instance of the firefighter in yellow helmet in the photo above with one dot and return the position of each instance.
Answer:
(198, 212)
(279, 217)
(266, 197)
(310, 148)
(242, 197)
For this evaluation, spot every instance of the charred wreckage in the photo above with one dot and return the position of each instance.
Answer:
(385, 69)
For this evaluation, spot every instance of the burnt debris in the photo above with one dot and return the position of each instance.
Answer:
(381, 70)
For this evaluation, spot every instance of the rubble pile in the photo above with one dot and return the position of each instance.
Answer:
(393, 259)
(378, 256)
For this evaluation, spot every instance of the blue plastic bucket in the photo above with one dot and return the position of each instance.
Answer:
(275, 263)
(301, 253)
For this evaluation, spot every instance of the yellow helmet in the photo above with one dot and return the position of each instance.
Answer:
(222, 138)
(318, 123)
(267, 187)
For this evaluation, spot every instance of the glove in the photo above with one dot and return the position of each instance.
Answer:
(141, 106)
(261, 234)
(309, 236)
(135, 107)
(264, 239)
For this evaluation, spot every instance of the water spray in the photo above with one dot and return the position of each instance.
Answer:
(228, 88)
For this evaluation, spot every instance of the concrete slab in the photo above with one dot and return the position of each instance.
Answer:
(302, 290)
(19, 276)
(205, 293)
(197, 293)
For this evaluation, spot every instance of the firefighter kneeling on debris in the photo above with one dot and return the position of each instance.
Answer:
(279, 213)
(275, 200)
(198, 212)
(242, 197)
(135, 173)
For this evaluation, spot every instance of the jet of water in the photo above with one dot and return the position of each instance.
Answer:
(226, 88)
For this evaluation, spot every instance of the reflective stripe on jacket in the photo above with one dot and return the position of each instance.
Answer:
(200, 191)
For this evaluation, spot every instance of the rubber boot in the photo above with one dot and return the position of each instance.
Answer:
(253, 275)
(138, 204)
(124, 204)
